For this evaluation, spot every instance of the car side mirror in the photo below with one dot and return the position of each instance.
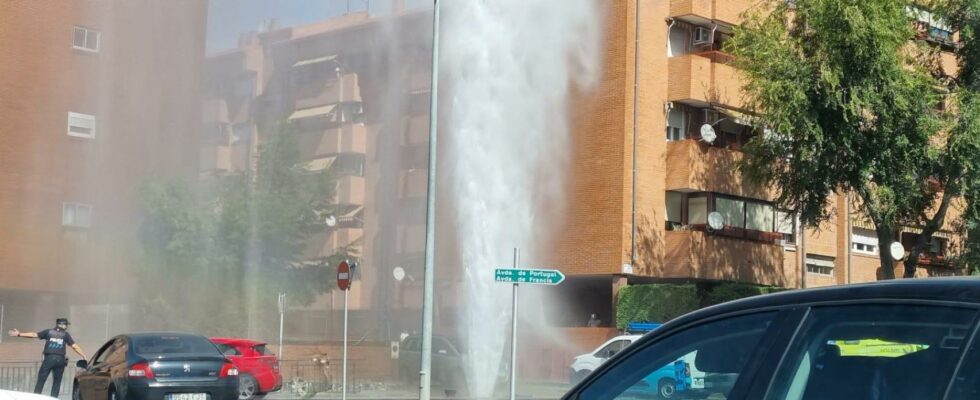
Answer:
(82, 364)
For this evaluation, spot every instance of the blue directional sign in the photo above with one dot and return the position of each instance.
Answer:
(532, 276)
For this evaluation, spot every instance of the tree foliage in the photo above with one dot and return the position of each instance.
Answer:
(851, 103)
(215, 257)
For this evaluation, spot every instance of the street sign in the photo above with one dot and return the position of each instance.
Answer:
(343, 275)
(532, 276)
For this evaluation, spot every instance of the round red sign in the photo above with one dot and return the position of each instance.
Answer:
(343, 275)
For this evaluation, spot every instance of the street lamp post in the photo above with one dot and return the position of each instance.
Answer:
(425, 369)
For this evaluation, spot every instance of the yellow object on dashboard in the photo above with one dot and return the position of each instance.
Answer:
(876, 348)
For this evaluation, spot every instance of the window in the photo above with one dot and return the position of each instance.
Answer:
(76, 215)
(349, 164)
(86, 39)
(864, 241)
(732, 210)
(759, 216)
(676, 125)
(81, 125)
(228, 350)
(873, 352)
(704, 362)
(786, 225)
(697, 209)
(612, 348)
(263, 350)
(820, 265)
(675, 208)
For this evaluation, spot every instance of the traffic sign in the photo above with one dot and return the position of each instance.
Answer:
(343, 275)
(532, 276)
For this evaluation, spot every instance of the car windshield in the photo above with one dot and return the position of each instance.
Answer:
(153, 346)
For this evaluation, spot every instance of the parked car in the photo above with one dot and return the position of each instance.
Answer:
(258, 367)
(156, 366)
(677, 377)
(907, 339)
(15, 395)
(448, 362)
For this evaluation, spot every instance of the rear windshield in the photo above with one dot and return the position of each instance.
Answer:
(228, 350)
(164, 345)
(261, 349)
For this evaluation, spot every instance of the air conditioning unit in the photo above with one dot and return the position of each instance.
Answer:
(710, 116)
(701, 36)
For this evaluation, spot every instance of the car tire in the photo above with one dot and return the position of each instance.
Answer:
(248, 387)
(579, 376)
(667, 388)
(112, 393)
(76, 392)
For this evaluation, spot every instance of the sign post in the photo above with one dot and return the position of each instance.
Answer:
(282, 317)
(343, 282)
(516, 276)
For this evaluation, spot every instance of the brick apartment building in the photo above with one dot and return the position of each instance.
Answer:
(642, 184)
(95, 97)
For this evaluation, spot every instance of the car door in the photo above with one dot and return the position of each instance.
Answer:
(102, 372)
(88, 379)
(875, 350)
(731, 348)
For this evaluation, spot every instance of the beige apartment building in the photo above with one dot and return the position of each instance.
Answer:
(642, 184)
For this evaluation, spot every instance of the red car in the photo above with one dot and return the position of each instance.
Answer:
(258, 367)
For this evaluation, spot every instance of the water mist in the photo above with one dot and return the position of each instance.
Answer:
(509, 67)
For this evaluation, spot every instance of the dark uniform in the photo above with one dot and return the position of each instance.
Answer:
(55, 358)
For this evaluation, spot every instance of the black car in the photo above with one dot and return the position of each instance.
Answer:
(157, 366)
(908, 339)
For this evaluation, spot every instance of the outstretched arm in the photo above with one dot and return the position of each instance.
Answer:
(16, 333)
(78, 349)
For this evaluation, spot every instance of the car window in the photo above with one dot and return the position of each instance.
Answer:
(228, 350)
(172, 344)
(101, 355)
(966, 385)
(703, 361)
(442, 346)
(117, 353)
(873, 352)
(612, 348)
(263, 350)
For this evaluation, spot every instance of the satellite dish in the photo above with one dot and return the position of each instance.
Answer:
(716, 221)
(330, 220)
(399, 273)
(897, 250)
(708, 133)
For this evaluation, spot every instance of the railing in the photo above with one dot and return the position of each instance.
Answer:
(307, 377)
(21, 377)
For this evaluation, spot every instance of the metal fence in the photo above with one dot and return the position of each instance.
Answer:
(302, 377)
(21, 377)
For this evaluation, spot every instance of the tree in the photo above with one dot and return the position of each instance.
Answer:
(850, 103)
(213, 258)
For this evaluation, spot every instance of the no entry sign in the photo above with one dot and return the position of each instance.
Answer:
(343, 275)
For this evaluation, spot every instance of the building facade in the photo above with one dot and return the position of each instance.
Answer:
(95, 97)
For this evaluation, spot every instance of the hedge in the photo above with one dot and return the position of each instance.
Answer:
(663, 302)
(655, 303)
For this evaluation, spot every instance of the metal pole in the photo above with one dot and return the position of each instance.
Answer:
(108, 310)
(282, 318)
(2, 332)
(346, 295)
(513, 333)
(425, 377)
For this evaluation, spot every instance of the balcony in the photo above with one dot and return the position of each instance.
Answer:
(699, 255)
(700, 80)
(350, 190)
(329, 242)
(216, 111)
(698, 167)
(413, 184)
(216, 158)
(327, 91)
(351, 138)
(708, 11)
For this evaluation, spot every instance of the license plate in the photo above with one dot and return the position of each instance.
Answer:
(698, 383)
(187, 396)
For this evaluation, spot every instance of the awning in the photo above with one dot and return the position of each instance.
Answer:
(820, 261)
(352, 212)
(938, 234)
(737, 116)
(861, 222)
(313, 112)
(314, 60)
(320, 164)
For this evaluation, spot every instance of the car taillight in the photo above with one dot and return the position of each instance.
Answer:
(228, 370)
(141, 370)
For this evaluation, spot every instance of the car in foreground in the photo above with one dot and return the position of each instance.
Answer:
(15, 395)
(906, 339)
(258, 367)
(156, 366)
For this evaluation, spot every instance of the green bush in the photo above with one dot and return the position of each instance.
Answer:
(655, 303)
(663, 302)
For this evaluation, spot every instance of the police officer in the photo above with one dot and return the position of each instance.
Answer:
(55, 360)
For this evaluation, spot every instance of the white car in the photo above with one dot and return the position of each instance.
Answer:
(584, 364)
(12, 395)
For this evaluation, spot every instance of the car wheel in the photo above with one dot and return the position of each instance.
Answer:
(112, 393)
(248, 387)
(667, 388)
(76, 392)
(579, 376)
